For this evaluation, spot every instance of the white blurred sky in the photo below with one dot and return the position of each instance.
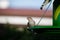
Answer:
(30, 4)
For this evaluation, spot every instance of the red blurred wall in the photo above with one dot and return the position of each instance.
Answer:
(25, 12)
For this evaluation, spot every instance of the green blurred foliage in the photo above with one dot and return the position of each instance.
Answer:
(55, 7)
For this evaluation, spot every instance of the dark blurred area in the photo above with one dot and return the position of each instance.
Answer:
(6, 33)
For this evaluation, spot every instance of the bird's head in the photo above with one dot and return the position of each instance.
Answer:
(29, 18)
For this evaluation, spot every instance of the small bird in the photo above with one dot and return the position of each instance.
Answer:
(31, 22)
(44, 3)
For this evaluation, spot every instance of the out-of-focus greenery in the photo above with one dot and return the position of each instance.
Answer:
(56, 20)
(56, 13)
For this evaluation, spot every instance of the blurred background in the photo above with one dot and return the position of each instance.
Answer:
(16, 11)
